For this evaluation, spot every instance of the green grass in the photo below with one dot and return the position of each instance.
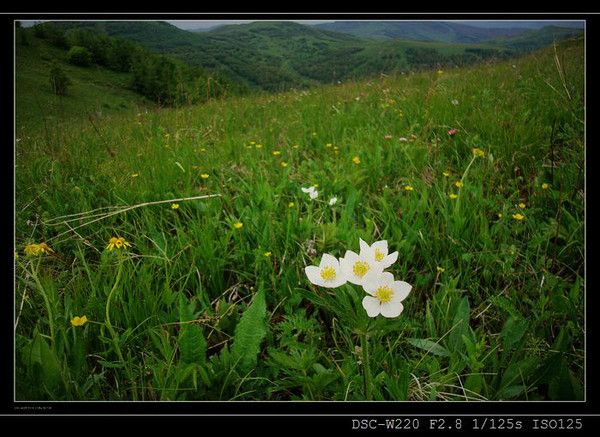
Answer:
(196, 311)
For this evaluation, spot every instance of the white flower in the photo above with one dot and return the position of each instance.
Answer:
(359, 270)
(332, 201)
(328, 274)
(312, 192)
(455, 102)
(386, 296)
(402, 139)
(378, 252)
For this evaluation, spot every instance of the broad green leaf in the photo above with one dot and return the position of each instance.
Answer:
(429, 346)
(512, 332)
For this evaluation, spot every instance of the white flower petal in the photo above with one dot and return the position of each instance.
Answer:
(381, 245)
(329, 260)
(350, 256)
(364, 246)
(401, 290)
(389, 260)
(339, 280)
(308, 190)
(370, 287)
(372, 306)
(391, 309)
(374, 273)
(386, 278)
(313, 273)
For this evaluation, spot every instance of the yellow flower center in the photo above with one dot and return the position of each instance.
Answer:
(379, 255)
(328, 273)
(384, 293)
(360, 268)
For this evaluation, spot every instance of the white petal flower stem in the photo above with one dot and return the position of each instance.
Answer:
(364, 344)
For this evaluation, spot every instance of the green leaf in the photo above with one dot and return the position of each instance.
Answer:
(192, 343)
(250, 332)
(513, 330)
(460, 326)
(429, 346)
(45, 358)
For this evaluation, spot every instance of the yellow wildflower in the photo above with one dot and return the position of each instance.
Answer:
(408, 188)
(284, 164)
(499, 215)
(458, 184)
(238, 225)
(276, 152)
(478, 152)
(258, 146)
(545, 186)
(135, 175)
(291, 205)
(452, 196)
(446, 173)
(79, 321)
(518, 216)
(267, 254)
(356, 160)
(37, 249)
(522, 205)
(204, 175)
(328, 145)
(118, 242)
(440, 269)
(174, 205)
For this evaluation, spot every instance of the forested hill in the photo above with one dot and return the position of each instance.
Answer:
(276, 56)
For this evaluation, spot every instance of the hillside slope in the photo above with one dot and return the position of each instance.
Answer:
(94, 91)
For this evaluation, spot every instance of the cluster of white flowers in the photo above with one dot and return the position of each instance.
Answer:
(367, 270)
(311, 191)
(313, 194)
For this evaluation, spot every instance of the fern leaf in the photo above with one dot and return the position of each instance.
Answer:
(250, 332)
(192, 344)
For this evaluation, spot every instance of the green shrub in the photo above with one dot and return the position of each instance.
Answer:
(79, 56)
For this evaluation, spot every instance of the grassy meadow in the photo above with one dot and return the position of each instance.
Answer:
(211, 300)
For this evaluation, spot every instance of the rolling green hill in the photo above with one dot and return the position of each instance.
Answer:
(95, 91)
(277, 56)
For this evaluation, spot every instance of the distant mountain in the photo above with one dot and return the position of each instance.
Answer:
(451, 32)
(419, 30)
(522, 24)
(278, 55)
(534, 39)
